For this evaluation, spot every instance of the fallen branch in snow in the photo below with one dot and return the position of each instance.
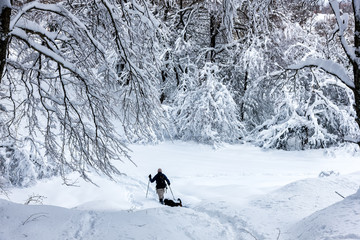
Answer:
(246, 231)
(34, 217)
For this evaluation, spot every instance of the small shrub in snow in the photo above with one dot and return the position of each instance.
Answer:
(328, 174)
(35, 199)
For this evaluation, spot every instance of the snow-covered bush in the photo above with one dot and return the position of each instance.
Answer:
(206, 112)
(18, 168)
(328, 174)
(297, 109)
(308, 116)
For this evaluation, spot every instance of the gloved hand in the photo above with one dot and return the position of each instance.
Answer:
(169, 184)
(150, 176)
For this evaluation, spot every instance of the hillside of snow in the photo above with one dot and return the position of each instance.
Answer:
(338, 221)
(235, 192)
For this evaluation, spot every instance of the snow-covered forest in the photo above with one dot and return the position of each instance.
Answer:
(81, 79)
(84, 82)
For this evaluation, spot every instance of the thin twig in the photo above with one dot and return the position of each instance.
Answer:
(279, 233)
(34, 217)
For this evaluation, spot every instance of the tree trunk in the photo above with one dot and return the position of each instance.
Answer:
(356, 66)
(4, 36)
(213, 33)
(242, 110)
(181, 20)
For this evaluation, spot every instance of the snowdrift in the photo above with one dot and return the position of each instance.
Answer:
(339, 221)
(49, 222)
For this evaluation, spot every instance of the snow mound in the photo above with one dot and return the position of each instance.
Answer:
(289, 204)
(339, 221)
(49, 222)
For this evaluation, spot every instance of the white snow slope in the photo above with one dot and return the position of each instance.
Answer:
(236, 192)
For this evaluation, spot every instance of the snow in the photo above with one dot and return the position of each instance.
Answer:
(331, 222)
(21, 34)
(234, 192)
(356, 6)
(329, 66)
(4, 4)
(342, 22)
(32, 5)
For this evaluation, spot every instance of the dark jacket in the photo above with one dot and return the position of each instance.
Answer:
(160, 179)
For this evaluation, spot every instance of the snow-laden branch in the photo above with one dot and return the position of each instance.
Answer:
(112, 12)
(60, 11)
(342, 22)
(328, 66)
(144, 10)
(34, 5)
(33, 27)
(21, 34)
(36, 28)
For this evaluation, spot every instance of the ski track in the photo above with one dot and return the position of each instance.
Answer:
(79, 227)
(237, 227)
(86, 229)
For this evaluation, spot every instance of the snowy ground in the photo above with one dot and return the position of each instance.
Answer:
(236, 192)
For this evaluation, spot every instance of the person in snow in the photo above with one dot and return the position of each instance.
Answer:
(161, 181)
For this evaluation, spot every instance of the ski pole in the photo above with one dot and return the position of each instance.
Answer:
(171, 192)
(147, 188)
(339, 194)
